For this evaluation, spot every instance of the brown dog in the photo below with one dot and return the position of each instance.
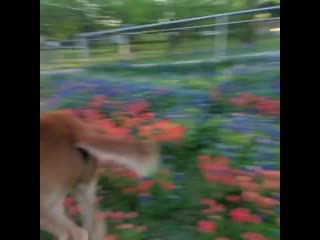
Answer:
(68, 163)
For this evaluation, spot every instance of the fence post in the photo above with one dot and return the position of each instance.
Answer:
(221, 40)
(83, 43)
(124, 47)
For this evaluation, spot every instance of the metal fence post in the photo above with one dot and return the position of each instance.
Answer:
(124, 47)
(83, 44)
(221, 39)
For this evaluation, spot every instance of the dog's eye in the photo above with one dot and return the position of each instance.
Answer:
(83, 153)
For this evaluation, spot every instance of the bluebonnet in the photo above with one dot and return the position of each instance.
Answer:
(276, 196)
(251, 169)
(268, 155)
(222, 147)
(228, 125)
(145, 198)
(256, 156)
(268, 166)
(275, 133)
(179, 177)
(240, 69)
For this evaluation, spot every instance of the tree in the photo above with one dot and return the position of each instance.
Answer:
(64, 18)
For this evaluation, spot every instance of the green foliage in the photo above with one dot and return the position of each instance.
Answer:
(62, 19)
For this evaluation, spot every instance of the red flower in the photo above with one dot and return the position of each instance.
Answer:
(271, 184)
(162, 130)
(206, 226)
(254, 219)
(268, 106)
(266, 202)
(227, 180)
(203, 158)
(210, 202)
(167, 186)
(147, 115)
(102, 215)
(68, 201)
(125, 226)
(211, 178)
(237, 101)
(213, 206)
(130, 174)
(117, 215)
(132, 215)
(141, 229)
(250, 196)
(253, 236)
(249, 186)
(274, 175)
(213, 210)
(233, 198)
(97, 101)
(129, 190)
(110, 237)
(244, 98)
(145, 185)
(137, 107)
(213, 167)
(239, 215)
(222, 161)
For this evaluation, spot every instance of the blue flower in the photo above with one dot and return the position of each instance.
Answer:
(145, 198)
(275, 133)
(179, 177)
(268, 166)
(276, 196)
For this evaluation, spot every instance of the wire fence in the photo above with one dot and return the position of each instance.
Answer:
(194, 39)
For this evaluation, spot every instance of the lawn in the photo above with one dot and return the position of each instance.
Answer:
(220, 132)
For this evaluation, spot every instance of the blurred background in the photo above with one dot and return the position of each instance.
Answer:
(205, 77)
(65, 44)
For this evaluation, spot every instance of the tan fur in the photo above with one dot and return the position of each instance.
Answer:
(62, 170)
